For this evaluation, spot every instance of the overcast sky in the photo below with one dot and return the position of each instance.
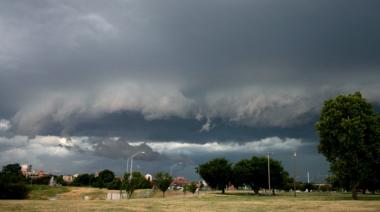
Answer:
(85, 84)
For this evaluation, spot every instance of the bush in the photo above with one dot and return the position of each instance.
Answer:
(115, 184)
(192, 187)
(44, 180)
(13, 191)
(12, 183)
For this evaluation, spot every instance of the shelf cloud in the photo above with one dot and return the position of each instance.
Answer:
(219, 74)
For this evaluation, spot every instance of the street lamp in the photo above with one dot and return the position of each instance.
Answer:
(131, 168)
(268, 172)
(174, 165)
(294, 170)
(127, 165)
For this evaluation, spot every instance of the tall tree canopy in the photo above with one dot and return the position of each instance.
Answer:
(217, 173)
(105, 177)
(349, 132)
(254, 173)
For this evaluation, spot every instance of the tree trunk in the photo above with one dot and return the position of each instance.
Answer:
(354, 192)
(256, 191)
(273, 192)
(223, 190)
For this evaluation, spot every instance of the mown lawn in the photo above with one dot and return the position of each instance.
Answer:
(232, 201)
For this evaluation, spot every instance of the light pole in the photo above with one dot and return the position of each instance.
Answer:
(128, 164)
(294, 174)
(174, 165)
(268, 172)
(131, 168)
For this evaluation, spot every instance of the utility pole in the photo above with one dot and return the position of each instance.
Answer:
(294, 173)
(131, 167)
(268, 172)
(308, 177)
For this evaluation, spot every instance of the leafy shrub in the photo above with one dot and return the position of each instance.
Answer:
(13, 191)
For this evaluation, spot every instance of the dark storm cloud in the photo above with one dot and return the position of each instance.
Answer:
(252, 63)
(191, 71)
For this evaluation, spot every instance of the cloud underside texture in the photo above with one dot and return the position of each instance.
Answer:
(248, 63)
(61, 155)
(193, 72)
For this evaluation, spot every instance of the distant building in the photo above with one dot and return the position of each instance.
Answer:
(41, 173)
(26, 169)
(68, 178)
(179, 182)
(149, 177)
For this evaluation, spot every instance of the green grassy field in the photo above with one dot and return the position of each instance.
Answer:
(44, 192)
(176, 201)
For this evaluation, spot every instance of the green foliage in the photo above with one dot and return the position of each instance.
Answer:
(349, 132)
(308, 186)
(106, 176)
(103, 180)
(163, 181)
(13, 191)
(44, 180)
(44, 192)
(14, 169)
(12, 173)
(217, 173)
(278, 175)
(84, 180)
(137, 181)
(114, 184)
(192, 187)
(59, 180)
(254, 173)
(12, 183)
(289, 184)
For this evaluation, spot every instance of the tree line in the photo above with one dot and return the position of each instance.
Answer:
(219, 173)
(129, 183)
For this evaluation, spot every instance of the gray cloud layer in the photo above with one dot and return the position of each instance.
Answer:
(254, 63)
(181, 70)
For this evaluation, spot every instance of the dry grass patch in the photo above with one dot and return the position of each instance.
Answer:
(205, 202)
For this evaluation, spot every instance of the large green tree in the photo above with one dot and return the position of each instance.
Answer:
(105, 177)
(349, 132)
(278, 175)
(217, 173)
(254, 173)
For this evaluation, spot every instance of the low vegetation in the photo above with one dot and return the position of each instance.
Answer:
(231, 201)
(44, 192)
